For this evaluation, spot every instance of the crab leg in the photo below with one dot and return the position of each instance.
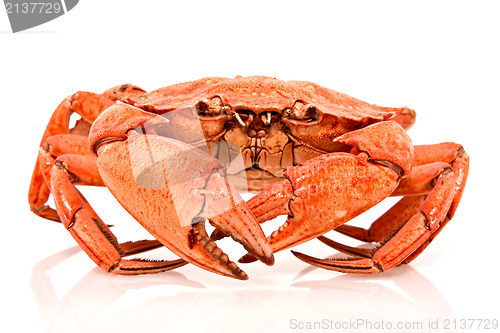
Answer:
(444, 189)
(39, 190)
(86, 104)
(449, 153)
(453, 154)
(93, 236)
(412, 234)
(82, 170)
(136, 247)
(391, 220)
(414, 186)
(461, 170)
(72, 151)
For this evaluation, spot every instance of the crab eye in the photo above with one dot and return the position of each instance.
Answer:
(303, 112)
(212, 107)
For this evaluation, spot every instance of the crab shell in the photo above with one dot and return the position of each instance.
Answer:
(277, 124)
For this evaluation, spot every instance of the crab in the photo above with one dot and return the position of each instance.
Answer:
(177, 156)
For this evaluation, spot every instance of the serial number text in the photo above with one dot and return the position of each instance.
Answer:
(33, 7)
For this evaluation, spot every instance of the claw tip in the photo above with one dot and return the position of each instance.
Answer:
(248, 258)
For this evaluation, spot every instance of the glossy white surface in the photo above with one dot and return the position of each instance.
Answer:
(439, 58)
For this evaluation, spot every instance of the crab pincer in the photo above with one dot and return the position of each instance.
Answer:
(171, 188)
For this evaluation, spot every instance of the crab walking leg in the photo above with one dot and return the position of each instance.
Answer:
(404, 117)
(86, 104)
(81, 170)
(447, 182)
(409, 238)
(136, 247)
(39, 192)
(127, 248)
(386, 224)
(385, 227)
(453, 154)
(420, 181)
(461, 170)
(93, 236)
(72, 151)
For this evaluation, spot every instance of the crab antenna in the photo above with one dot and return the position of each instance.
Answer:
(237, 116)
(266, 119)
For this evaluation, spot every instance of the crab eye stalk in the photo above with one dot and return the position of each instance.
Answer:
(210, 108)
(302, 112)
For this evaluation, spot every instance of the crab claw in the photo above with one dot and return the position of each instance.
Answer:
(171, 188)
(319, 195)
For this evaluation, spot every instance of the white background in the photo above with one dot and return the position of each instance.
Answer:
(439, 58)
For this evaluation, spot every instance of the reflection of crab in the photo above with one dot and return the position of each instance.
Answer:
(314, 154)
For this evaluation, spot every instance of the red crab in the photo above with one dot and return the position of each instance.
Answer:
(318, 156)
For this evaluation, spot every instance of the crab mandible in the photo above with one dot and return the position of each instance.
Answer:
(318, 156)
